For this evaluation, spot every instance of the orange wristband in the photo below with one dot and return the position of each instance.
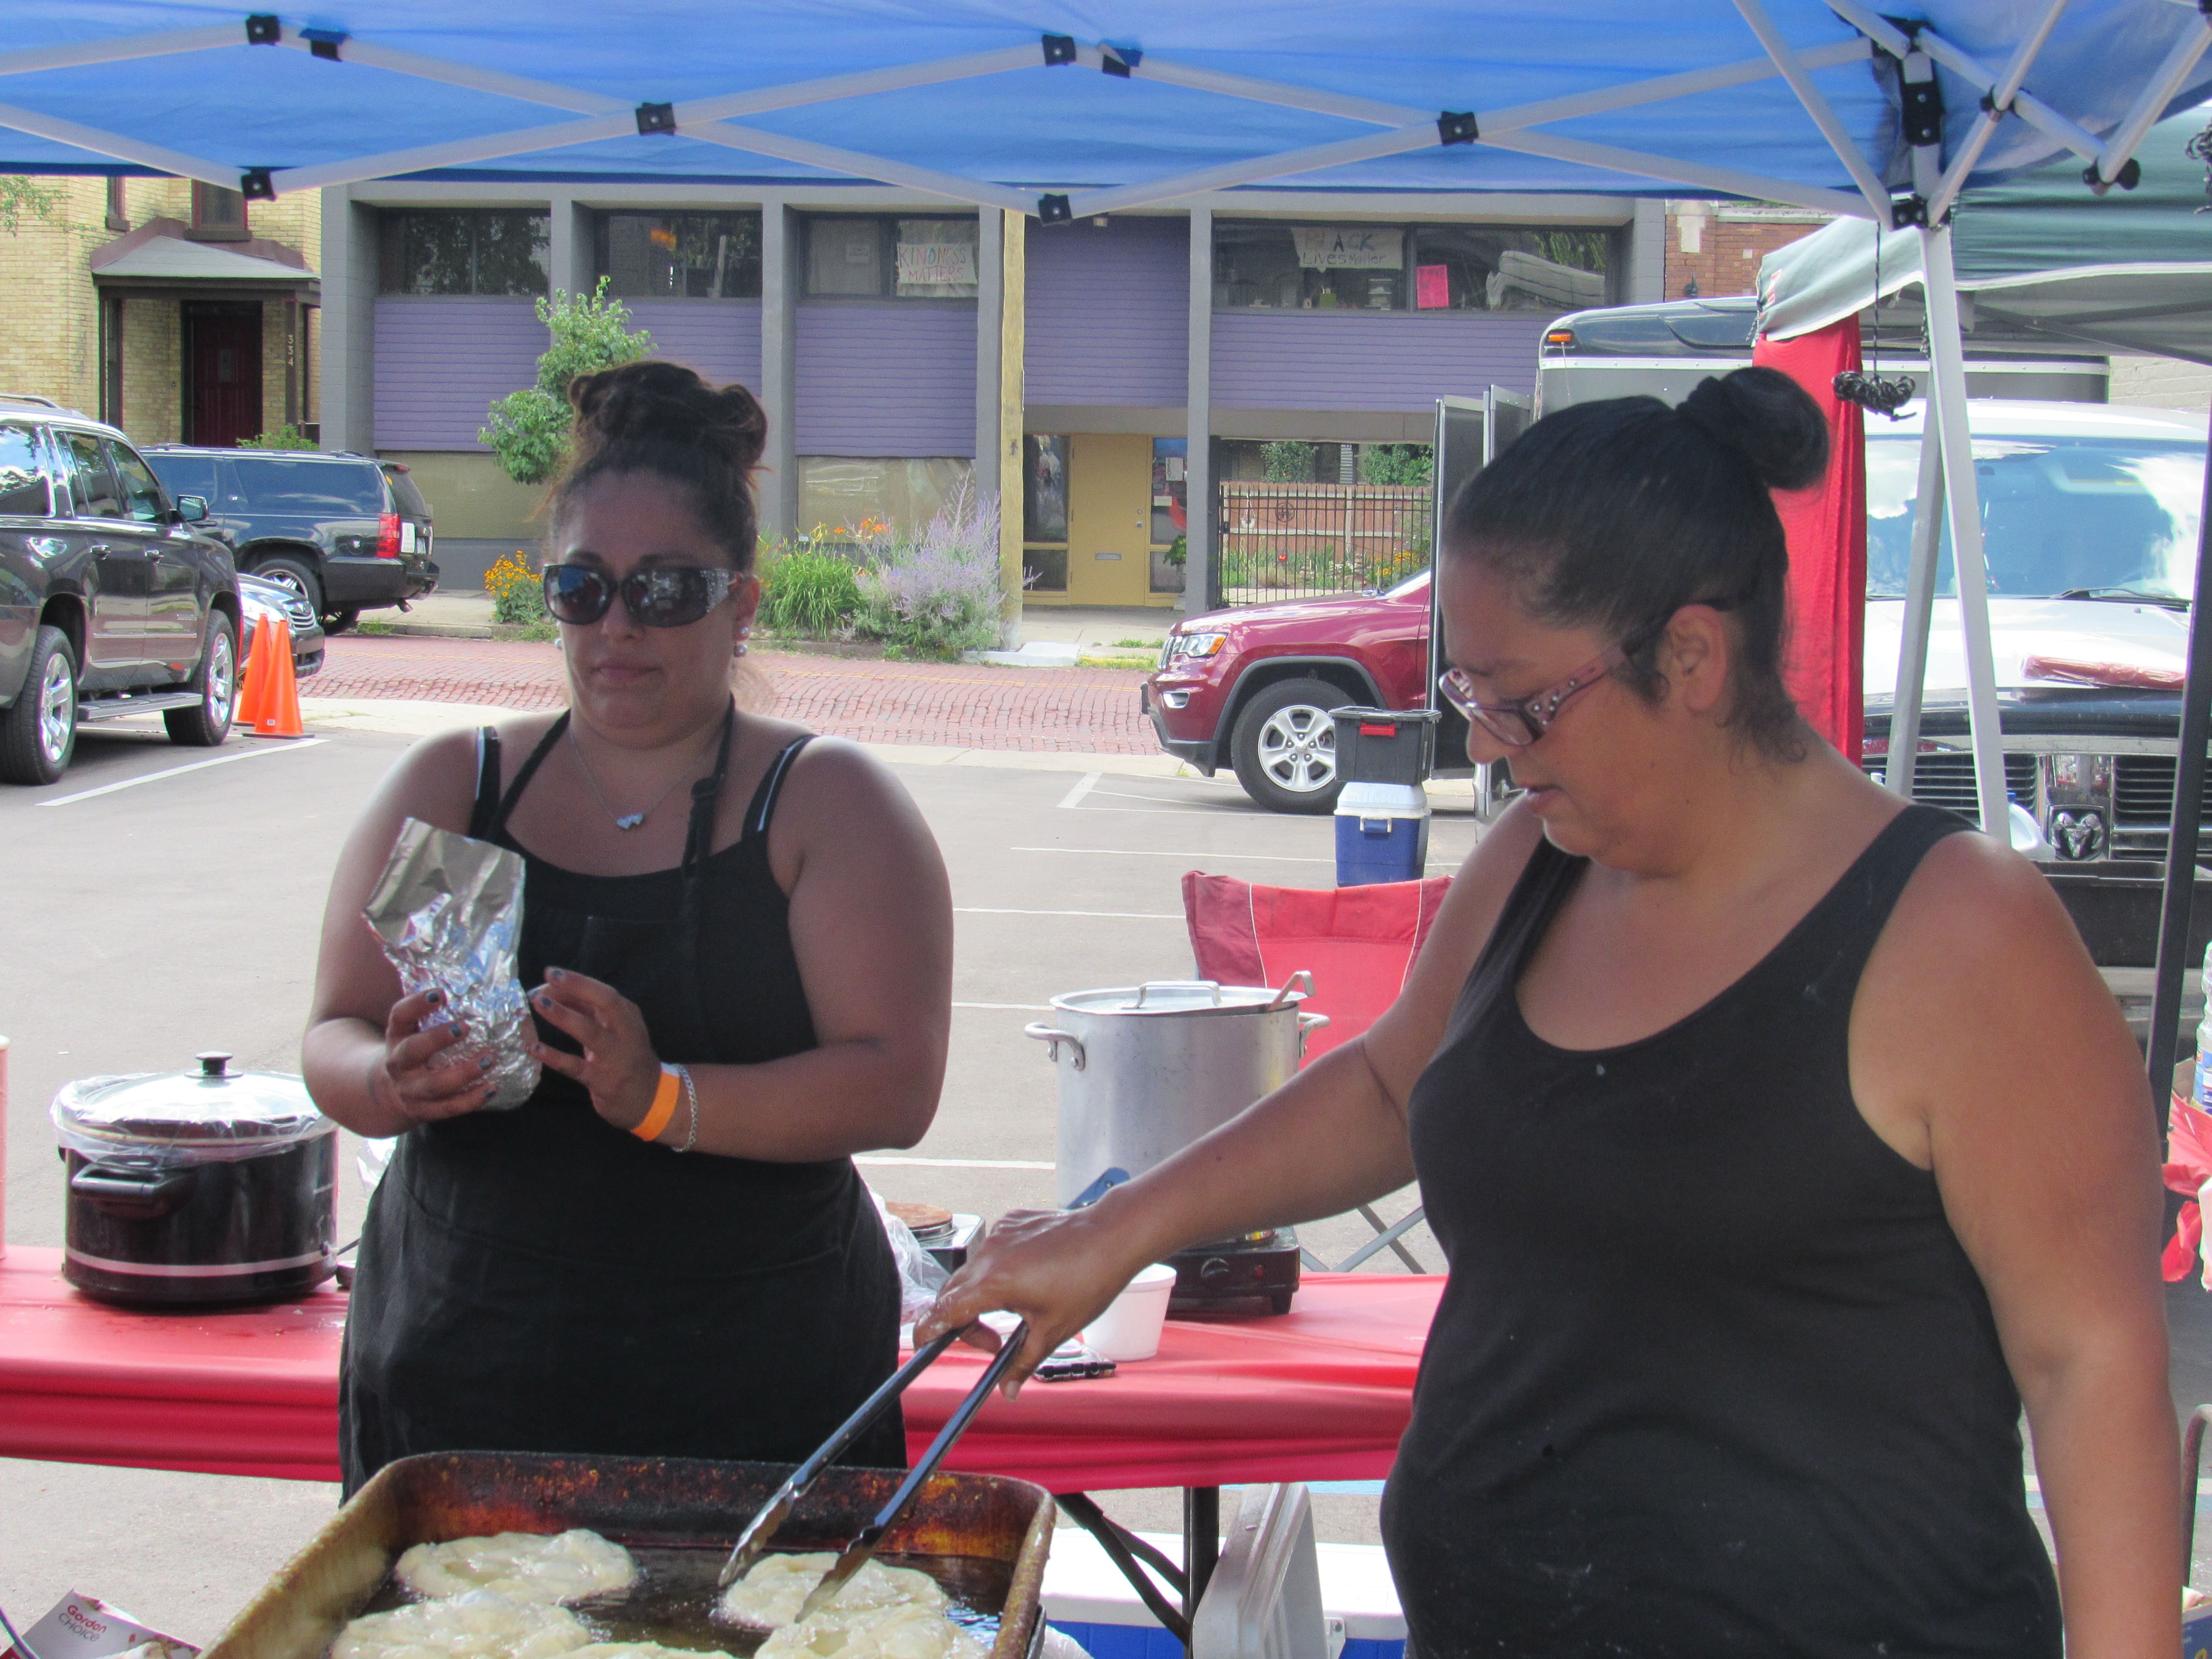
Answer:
(663, 1109)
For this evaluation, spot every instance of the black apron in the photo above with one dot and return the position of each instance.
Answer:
(540, 1280)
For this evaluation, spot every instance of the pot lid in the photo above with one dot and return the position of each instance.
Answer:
(1181, 996)
(208, 1113)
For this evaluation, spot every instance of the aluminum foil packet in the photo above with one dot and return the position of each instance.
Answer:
(448, 910)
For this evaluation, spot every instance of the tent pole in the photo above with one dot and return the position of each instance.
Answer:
(2173, 917)
(1947, 359)
(1919, 607)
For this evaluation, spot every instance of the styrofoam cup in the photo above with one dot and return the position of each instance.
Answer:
(1130, 1326)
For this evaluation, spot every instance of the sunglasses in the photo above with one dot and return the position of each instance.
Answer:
(664, 596)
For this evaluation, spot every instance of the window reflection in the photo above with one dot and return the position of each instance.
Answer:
(1271, 265)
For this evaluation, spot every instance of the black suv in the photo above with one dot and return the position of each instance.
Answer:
(109, 605)
(346, 532)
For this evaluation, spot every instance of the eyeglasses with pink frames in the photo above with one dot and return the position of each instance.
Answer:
(1519, 723)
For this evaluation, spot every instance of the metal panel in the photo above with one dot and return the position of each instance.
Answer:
(892, 379)
(720, 338)
(1320, 360)
(441, 363)
(1109, 312)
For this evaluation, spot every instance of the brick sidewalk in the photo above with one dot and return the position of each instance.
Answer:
(1081, 709)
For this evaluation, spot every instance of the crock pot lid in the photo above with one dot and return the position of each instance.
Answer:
(1175, 997)
(206, 1113)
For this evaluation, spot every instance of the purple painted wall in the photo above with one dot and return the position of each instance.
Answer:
(720, 338)
(893, 379)
(1109, 312)
(440, 364)
(1314, 360)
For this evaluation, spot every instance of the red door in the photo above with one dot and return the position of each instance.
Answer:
(223, 365)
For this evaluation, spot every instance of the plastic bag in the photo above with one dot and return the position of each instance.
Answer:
(921, 1278)
(448, 910)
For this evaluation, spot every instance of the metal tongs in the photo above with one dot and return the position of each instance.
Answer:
(763, 1527)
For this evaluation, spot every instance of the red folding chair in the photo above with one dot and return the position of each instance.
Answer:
(1359, 943)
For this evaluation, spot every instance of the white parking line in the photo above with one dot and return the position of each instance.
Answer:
(1083, 786)
(1142, 852)
(178, 771)
(1110, 915)
(955, 1162)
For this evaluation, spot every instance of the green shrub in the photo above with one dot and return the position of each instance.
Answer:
(808, 595)
(287, 436)
(518, 592)
(937, 595)
(528, 429)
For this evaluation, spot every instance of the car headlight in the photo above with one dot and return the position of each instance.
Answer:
(1193, 644)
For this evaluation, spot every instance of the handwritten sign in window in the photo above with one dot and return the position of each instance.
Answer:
(936, 265)
(1349, 247)
(1432, 288)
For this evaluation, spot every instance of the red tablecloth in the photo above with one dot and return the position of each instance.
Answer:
(1321, 1393)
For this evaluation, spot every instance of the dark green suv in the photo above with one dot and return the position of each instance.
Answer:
(346, 532)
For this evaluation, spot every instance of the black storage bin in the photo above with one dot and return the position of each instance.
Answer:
(1383, 745)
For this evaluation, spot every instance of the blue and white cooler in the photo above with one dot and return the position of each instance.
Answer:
(1382, 811)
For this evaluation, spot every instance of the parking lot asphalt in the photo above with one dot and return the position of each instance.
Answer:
(164, 901)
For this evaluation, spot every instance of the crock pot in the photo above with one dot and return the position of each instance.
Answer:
(201, 1187)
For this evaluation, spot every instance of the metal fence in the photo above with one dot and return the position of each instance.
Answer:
(1291, 541)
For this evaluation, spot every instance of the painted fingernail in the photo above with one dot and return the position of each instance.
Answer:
(555, 973)
(483, 1063)
(434, 998)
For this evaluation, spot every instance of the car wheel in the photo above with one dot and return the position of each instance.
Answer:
(38, 735)
(338, 620)
(207, 723)
(296, 575)
(1284, 746)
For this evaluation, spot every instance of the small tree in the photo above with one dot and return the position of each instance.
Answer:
(528, 429)
(1290, 461)
(1395, 464)
(20, 196)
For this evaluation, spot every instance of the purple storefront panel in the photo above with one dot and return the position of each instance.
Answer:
(439, 364)
(1403, 364)
(1109, 312)
(892, 379)
(720, 338)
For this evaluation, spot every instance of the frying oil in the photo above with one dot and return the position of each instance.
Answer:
(673, 1600)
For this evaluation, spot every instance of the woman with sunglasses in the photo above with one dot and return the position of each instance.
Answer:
(1780, 1138)
(737, 939)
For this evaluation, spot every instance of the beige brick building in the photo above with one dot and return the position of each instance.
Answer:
(175, 310)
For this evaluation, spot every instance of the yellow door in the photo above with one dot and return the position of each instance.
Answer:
(1109, 517)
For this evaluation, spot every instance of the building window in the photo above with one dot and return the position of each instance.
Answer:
(1044, 512)
(1270, 265)
(468, 250)
(681, 255)
(852, 257)
(218, 215)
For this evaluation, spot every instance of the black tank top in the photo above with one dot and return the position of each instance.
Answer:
(1711, 1374)
(539, 1280)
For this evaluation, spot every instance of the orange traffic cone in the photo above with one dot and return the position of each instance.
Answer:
(253, 685)
(278, 715)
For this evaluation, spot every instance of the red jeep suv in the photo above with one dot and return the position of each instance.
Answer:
(1253, 688)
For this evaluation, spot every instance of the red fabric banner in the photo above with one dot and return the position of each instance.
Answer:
(1825, 667)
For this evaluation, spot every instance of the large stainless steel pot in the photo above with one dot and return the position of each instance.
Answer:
(1144, 1070)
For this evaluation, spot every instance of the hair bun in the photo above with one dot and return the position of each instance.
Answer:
(1767, 418)
(654, 401)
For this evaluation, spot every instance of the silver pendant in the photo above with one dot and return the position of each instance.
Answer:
(630, 821)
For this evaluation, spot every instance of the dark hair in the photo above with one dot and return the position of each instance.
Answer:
(661, 418)
(1613, 515)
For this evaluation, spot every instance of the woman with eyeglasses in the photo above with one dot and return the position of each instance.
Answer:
(738, 940)
(1781, 1139)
